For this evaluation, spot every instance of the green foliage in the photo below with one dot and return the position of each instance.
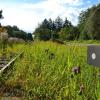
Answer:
(1, 16)
(58, 24)
(89, 22)
(57, 29)
(43, 33)
(45, 72)
(16, 32)
(87, 28)
(29, 36)
(69, 33)
(67, 23)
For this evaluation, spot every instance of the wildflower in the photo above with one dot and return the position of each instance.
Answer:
(52, 56)
(81, 90)
(76, 70)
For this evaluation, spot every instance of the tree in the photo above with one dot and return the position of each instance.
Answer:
(93, 24)
(43, 31)
(14, 31)
(1, 14)
(58, 23)
(69, 33)
(86, 23)
(20, 34)
(29, 36)
(45, 24)
(51, 25)
(67, 23)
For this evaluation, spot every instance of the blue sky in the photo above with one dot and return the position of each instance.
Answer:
(27, 14)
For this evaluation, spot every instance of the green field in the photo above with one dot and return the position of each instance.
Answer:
(45, 73)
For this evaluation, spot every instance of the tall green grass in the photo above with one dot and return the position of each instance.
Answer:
(45, 73)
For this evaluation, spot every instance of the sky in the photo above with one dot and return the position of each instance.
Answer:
(27, 14)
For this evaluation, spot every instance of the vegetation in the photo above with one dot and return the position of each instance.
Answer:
(14, 31)
(87, 28)
(49, 70)
(46, 71)
(57, 29)
(89, 23)
(9, 31)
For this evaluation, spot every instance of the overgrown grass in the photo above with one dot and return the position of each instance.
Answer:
(84, 42)
(45, 73)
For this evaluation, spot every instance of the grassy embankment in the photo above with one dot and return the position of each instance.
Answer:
(45, 71)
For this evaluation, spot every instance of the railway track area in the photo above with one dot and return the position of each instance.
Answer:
(6, 68)
(5, 63)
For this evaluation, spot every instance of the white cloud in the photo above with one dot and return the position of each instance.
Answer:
(27, 16)
(54, 8)
(15, 15)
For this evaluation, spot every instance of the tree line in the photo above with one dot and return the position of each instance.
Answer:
(87, 28)
(14, 31)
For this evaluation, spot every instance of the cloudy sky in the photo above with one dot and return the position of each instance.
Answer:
(26, 14)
